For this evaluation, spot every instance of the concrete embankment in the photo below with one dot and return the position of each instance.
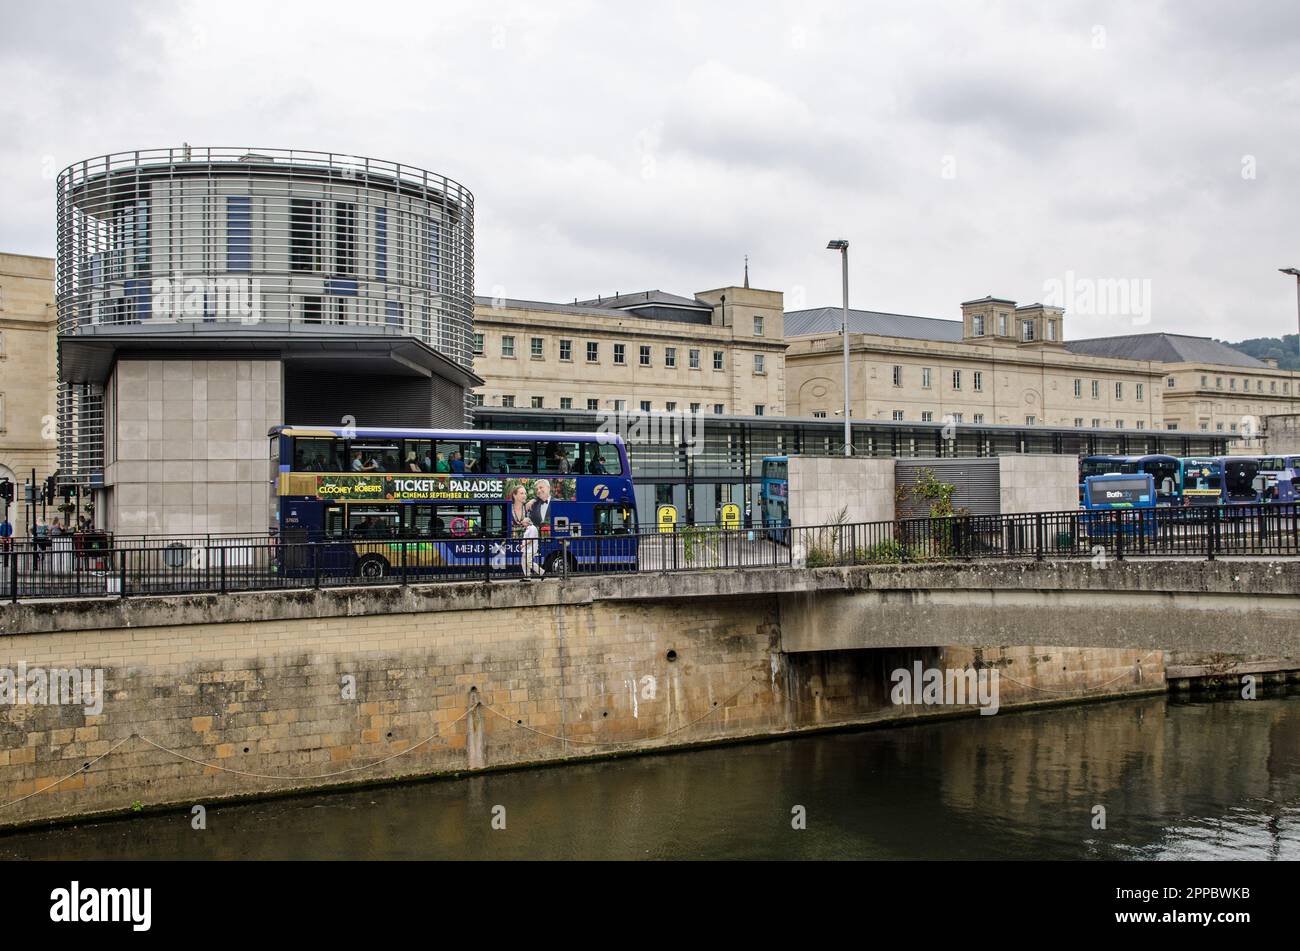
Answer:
(212, 697)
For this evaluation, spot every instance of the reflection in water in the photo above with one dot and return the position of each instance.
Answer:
(1218, 779)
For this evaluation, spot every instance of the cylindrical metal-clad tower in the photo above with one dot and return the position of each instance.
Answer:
(312, 243)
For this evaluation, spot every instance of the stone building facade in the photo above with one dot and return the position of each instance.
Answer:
(719, 352)
(27, 369)
(1011, 365)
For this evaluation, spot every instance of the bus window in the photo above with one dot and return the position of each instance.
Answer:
(452, 457)
(373, 521)
(317, 455)
(419, 520)
(334, 521)
(615, 520)
(601, 459)
(417, 455)
(374, 457)
(494, 521)
(457, 521)
(508, 457)
(558, 458)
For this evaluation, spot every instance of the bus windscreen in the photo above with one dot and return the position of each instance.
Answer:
(1119, 492)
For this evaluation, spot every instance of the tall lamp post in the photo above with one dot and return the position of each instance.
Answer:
(1294, 272)
(842, 246)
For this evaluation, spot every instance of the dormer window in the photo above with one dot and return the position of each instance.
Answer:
(1027, 330)
(1002, 325)
(977, 325)
(1051, 330)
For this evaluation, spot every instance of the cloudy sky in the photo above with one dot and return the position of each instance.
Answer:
(963, 148)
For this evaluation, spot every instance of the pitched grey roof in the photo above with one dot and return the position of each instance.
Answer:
(1165, 348)
(821, 320)
(645, 299)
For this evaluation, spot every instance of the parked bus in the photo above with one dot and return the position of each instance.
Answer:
(1164, 470)
(422, 501)
(1242, 483)
(1106, 493)
(1202, 481)
(774, 496)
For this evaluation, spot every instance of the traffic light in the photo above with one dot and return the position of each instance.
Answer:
(49, 490)
(6, 491)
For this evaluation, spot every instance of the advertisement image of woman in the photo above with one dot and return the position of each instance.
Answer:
(518, 497)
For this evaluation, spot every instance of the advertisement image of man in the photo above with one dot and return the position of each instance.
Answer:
(539, 509)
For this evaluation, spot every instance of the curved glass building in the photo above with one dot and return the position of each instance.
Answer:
(350, 280)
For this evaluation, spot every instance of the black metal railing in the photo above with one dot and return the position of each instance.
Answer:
(1190, 532)
(155, 566)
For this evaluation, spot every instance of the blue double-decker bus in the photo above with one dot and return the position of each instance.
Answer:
(373, 501)
(774, 497)
(1164, 470)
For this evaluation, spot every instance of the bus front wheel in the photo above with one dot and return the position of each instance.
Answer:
(372, 568)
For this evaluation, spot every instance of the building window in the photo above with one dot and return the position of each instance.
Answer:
(1140, 425)
(898, 376)
(392, 312)
(536, 402)
(956, 417)
(1027, 330)
(670, 357)
(1051, 330)
(1119, 424)
(717, 359)
(593, 404)
(1096, 423)
(1272, 386)
(1218, 382)
(977, 418)
(645, 406)
(956, 379)
(719, 409)
(758, 410)
(593, 351)
(345, 239)
(566, 350)
(979, 381)
(1119, 391)
(819, 414)
(1173, 426)
(1096, 389)
(645, 355)
(1078, 422)
(1218, 427)
(1002, 325)
(1138, 391)
(977, 325)
(1078, 388)
(507, 401)
(239, 233)
(695, 407)
(1232, 383)
(925, 378)
(927, 416)
(1170, 383)
(478, 344)
(620, 406)
(620, 354)
(694, 357)
(566, 402)
(758, 332)
(507, 346)
(898, 415)
(1031, 420)
(476, 399)
(670, 407)
(760, 363)
(304, 235)
(535, 348)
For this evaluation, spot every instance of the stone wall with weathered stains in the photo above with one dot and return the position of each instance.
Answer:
(214, 697)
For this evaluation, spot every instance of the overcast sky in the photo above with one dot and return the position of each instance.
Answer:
(963, 148)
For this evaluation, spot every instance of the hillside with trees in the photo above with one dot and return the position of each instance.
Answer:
(1286, 351)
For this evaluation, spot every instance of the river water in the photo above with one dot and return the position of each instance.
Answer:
(1216, 779)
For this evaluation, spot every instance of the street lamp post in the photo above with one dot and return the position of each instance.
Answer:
(1294, 272)
(842, 246)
